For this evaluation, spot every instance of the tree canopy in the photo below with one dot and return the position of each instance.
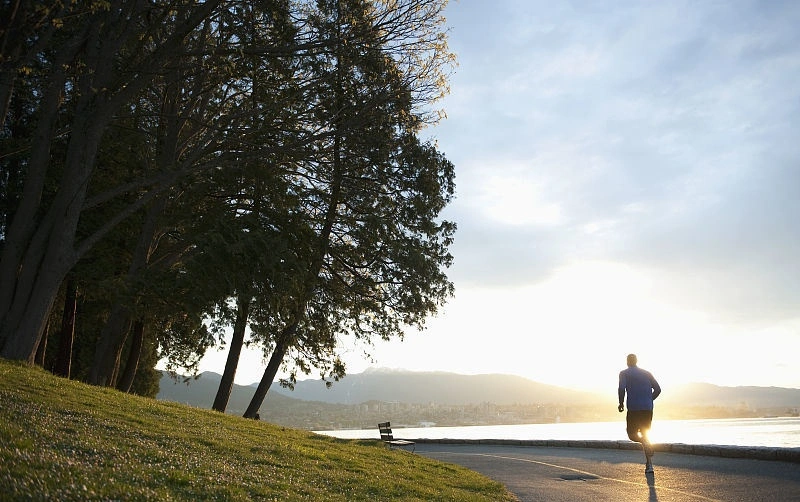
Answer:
(194, 167)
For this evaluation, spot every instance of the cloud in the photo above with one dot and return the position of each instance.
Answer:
(661, 135)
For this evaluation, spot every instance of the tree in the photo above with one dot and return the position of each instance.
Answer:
(106, 54)
(255, 162)
(263, 233)
(371, 191)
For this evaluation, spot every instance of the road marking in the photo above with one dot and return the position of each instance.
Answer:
(635, 483)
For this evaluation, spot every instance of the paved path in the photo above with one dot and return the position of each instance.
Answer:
(595, 474)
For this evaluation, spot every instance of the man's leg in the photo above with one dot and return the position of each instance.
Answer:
(647, 421)
(648, 450)
(647, 446)
(638, 426)
(632, 427)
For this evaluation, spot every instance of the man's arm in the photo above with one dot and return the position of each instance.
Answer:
(621, 392)
(655, 386)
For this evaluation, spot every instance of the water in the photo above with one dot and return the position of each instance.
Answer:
(780, 432)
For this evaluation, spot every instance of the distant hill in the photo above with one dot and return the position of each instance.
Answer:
(455, 389)
(696, 394)
(201, 392)
(436, 387)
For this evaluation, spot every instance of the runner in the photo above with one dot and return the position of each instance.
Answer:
(642, 390)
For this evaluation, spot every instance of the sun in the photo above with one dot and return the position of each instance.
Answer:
(598, 312)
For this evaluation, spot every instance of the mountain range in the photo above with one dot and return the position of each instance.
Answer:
(436, 387)
(201, 391)
(455, 389)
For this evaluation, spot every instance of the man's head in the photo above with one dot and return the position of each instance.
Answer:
(632, 360)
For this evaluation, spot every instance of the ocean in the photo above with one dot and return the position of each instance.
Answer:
(775, 432)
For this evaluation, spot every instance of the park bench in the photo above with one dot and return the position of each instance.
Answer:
(388, 438)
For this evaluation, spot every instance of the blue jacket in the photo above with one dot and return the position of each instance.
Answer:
(640, 386)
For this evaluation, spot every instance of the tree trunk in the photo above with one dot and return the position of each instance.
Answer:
(63, 362)
(20, 233)
(50, 252)
(126, 380)
(35, 294)
(235, 350)
(108, 353)
(281, 348)
(41, 350)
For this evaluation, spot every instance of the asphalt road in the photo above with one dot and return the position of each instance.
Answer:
(593, 474)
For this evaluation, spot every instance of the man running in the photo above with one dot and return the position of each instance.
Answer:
(642, 390)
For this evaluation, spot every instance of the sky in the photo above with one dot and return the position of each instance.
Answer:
(628, 180)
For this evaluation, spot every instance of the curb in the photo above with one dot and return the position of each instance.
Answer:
(749, 452)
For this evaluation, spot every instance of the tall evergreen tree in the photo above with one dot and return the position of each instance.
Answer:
(371, 192)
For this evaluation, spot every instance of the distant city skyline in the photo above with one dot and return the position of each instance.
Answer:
(627, 179)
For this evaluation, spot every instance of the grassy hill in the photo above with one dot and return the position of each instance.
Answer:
(63, 440)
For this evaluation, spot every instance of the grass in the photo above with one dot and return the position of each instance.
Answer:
(63, 440)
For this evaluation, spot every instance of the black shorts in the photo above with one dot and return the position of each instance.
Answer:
(638, 421)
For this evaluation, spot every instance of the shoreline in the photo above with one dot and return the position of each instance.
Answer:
(749, 452)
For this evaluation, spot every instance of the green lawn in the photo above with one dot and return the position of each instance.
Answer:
(63, 440)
